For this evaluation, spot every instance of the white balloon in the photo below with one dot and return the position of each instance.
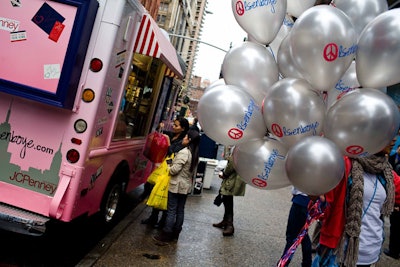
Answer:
(254, 16)
(315, 165)
(297, 7)
(230, 116)
(285, 62)
(346, 84)
(378, 53)
(292, 110)
(362, 122)
(214, 84)
(261, 163)
(361, 12)
(283, 32)
(323, 44)
(251, 67)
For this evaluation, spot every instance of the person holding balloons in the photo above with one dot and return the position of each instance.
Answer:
(352, 227)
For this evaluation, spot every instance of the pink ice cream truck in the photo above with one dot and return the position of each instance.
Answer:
(82, 83)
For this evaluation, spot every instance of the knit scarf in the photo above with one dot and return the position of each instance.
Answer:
(374, 164)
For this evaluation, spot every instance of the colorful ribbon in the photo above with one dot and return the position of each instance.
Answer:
(315, 212)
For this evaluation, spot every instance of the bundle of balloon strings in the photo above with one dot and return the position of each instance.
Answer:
(315, 212)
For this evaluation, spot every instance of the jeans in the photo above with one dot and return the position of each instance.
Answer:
(394, 238)
(296, 220)
(175, 213)
(228, 205)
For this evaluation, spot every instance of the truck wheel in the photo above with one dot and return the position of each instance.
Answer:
(111, 204)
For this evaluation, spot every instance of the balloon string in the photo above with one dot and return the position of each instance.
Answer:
(315, 212)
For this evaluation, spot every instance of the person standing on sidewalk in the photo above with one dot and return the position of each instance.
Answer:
(296, 220)
(181, 170)
(231, 185)
(352, 227)
(179, 130)
(394, 237)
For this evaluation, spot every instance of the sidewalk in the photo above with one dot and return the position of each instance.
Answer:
(260, 224)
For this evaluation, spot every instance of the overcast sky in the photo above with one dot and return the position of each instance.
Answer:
(220, 29)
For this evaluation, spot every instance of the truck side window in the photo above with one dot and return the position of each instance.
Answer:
(140, 98)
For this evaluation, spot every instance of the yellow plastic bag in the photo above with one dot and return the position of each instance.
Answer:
(159, 195)
(159, 171)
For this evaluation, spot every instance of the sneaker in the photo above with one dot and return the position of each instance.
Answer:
(390, 254)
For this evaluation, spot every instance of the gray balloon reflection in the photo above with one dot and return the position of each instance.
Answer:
(314, 165)
(323, 43)
(261, 163)
(378, 54)
(292, 110)
(362, 122)
(252, 67)
(230, 116)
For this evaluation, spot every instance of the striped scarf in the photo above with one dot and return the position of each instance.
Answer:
(375, 164)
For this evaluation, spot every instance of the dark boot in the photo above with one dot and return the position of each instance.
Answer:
(229, 229)
(221, 224)
(163, 237)
(161, 223)
(153, 219)
(175, 235)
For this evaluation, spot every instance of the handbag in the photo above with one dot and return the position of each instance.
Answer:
(156, 147)
(159, 195)
(161, 170)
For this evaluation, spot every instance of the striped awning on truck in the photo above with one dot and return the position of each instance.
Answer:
(152, 42)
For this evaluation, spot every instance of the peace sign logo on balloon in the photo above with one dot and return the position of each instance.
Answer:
(230, 116)
(322, 52)
(362, 122)
(261, 163)
(292, 110)
(260, 19)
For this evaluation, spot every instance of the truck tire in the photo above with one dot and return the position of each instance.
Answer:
(111, 203)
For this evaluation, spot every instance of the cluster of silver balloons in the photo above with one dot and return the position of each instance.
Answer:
(299, 96)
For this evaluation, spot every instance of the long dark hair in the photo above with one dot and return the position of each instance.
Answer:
(185, 125)
(194, 142)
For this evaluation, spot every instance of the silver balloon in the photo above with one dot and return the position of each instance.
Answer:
(361, 12)
(346, 84)
(214, 84)
(323, 43)
(362, 122)
(283, 32)
(230, 116)
(292, 110)
(378, 54)
(253, 17)
(315, 165)
(297, 7)
(285, 62)
(252, 67)
(261, 163)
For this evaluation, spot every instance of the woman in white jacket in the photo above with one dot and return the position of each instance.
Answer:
(181, 170)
